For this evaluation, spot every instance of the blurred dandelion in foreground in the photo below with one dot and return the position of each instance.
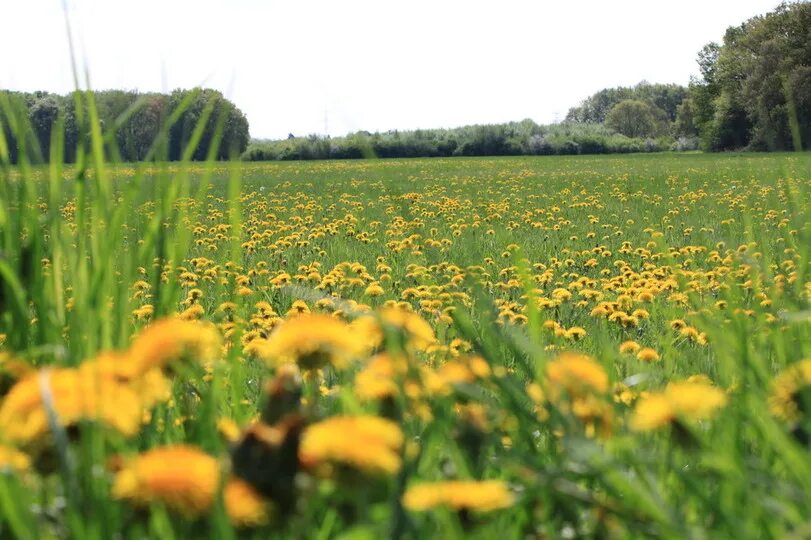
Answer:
(473, 495)
(182, 477)
(680, 401)
(790, 392)
(367, 443)
(310, 340)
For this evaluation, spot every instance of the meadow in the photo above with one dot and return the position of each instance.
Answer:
(530, 347)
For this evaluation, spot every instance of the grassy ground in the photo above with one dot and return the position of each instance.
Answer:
(530, 347)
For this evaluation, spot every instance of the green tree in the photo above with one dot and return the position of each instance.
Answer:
(43, 110)
(594, 109)
(685, 125)
(750, 90)
(632, 118)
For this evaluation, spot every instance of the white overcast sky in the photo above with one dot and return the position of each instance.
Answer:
(302, 66)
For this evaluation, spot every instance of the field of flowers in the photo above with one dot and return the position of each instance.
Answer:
(519, 347)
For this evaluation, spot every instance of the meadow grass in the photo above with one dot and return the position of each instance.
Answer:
(469, 320)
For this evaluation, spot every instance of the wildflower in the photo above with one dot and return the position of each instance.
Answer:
(299, 307)
(576, 373)
(151, 387)
(374, 290)
(12, 459)
(228, 429)
(482, 496)
(647, 355)
(377, 379)
(677, 324)
(688, 401)
(170, 340)
(72, 395)
(629, 347)
(182, 477)
(312, 341)
(788, 391)
(244, 506)
(367, 443)
(575, 333)
(416, 332)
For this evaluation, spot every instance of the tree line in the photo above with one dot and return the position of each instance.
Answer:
(138, 126)
(509, 139)
(754, 91)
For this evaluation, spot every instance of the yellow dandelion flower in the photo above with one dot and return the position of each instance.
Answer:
(374, 290)
(228, 429)
(481, 496)
(629, 347)
(311, 340)
(367, 443)
(647, 355)
(416, 331)
(575, 373)
(575, 333)
(244, 506)
(787, 390)
(683, 400)
(169, 340)
(13, 460)
(377, 379)
(72, 395)
(184, 478)
(299, 307)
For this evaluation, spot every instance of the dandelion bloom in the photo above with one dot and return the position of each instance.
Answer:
(244, 506)
(373, 290)
(474, 495)
(151, 386)
(629, 347)
(184, 478)
(417, 332)
(584, 381)
(172, 339)
(684, 400)
(378, 379)
(72, 395)
(647, 355)
(312, 341)
(12, 459)
(786, 389)
(576, 373)
(367, 443)
(575, 333)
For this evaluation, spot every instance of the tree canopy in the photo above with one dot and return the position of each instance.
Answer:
(635, 118)
(594, 109)
(755, 88)
(133, 120)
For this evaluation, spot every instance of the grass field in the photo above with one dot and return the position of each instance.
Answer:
(525, 347)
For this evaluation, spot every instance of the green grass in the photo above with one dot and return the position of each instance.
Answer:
(75, 239)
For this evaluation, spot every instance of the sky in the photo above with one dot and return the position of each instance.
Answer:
(332, 67)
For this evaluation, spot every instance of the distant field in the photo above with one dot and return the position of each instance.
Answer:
(587, 346)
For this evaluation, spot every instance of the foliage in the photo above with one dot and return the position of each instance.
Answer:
(753, 88)
(594, 109)
(133, 120)
(635, 118)
(515, 138)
